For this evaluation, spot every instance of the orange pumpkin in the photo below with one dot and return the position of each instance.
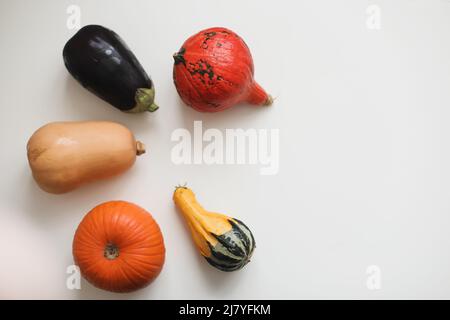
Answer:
(119, 247)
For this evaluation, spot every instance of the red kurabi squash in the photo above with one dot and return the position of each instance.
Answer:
(119, 247)
(213, 71)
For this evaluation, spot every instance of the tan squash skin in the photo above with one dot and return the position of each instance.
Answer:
(65, 155)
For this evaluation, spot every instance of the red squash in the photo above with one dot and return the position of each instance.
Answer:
(213, 71)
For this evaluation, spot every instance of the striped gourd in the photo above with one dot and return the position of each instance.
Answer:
(226, 243)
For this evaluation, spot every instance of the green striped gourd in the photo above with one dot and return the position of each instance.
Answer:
(226, 243)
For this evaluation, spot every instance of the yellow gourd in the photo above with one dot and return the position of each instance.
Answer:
(226, 243)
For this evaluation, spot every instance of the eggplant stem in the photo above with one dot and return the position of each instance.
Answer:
(144, 98)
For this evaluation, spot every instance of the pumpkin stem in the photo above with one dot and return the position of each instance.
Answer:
(111, 251)
(140, 148)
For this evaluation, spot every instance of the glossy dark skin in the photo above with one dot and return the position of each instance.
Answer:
(99, 59)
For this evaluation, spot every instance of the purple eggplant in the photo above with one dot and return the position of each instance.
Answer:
(102, 63)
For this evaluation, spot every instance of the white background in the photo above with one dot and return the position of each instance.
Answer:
(364, 173)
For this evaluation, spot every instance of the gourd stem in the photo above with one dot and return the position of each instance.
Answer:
(140, 148)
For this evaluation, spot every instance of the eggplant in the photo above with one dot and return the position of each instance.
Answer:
(102, 63)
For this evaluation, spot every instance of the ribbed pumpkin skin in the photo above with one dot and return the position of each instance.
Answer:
(136, 235)
(213, 71)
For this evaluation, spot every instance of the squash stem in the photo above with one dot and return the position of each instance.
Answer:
(140, 148)
(269, 100)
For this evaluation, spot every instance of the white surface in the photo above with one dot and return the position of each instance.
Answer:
(364, 173)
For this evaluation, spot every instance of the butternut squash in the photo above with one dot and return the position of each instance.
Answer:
(65, 155)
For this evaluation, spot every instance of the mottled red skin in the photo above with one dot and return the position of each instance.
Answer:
(213, 71)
